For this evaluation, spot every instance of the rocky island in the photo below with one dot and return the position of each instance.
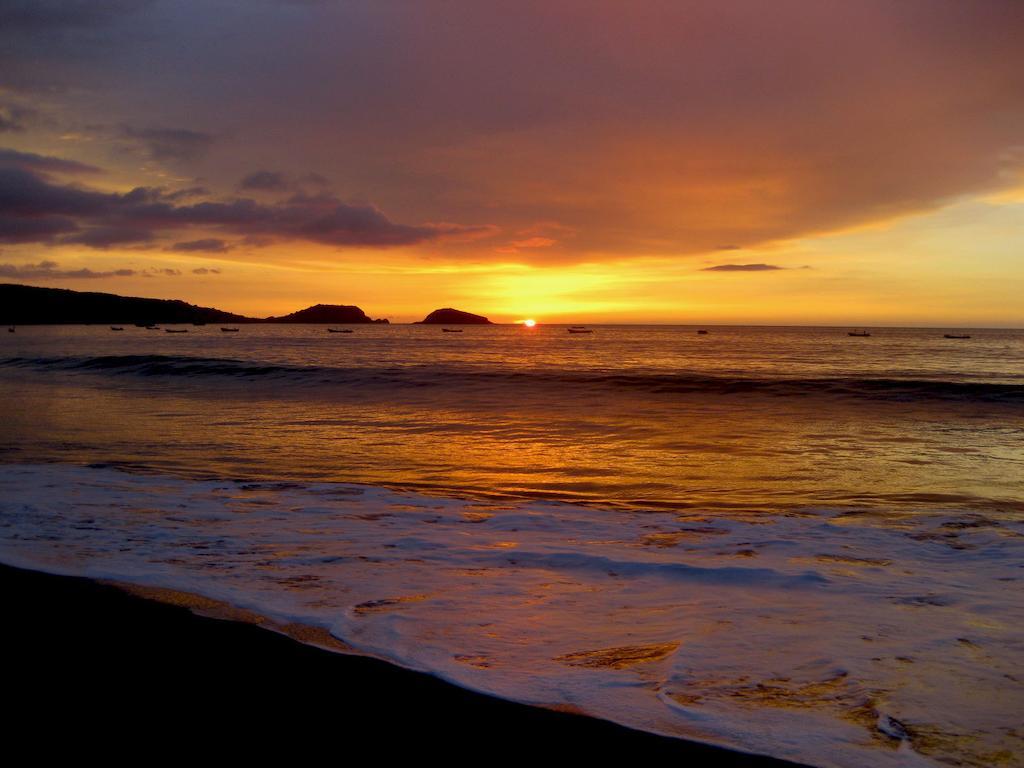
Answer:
(326, 313)
(449, 316)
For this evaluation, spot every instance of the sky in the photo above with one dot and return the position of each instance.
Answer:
(669, 161)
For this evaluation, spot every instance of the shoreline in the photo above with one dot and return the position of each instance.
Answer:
(92, 654)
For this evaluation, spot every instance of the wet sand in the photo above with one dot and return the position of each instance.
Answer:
(94, 670)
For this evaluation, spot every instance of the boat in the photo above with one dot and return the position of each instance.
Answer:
(702, 332)
(174, 330)
(230, 330)
(579, 329)
(862, 334)
(955, 336)
(152, 327)
(451, 330)
(339, 330)
(11, 329)
(116, 328)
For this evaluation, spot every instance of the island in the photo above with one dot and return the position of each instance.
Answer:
(449, 316)
(336, 314)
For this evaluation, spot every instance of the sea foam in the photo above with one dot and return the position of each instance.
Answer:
(828, 636)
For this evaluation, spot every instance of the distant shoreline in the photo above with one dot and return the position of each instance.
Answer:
(32, 305)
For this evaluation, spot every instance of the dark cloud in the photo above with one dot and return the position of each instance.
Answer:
(170, 144)
(14, 119)
(33, 15)
(654, 128)
(32, 229)
(44, 270)
(36, 208)
(109, 237)
(205, 271)
(50, 269)
(206, 244)
(743, 268)
(29, 161)
(265, 180)
(182, 194)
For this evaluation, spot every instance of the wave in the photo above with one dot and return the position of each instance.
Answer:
(886, 388)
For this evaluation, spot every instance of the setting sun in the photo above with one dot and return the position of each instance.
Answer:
(529, 323)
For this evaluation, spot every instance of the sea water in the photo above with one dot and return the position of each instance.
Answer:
(783, 540)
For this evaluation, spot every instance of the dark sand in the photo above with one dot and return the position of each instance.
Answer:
(93, 671)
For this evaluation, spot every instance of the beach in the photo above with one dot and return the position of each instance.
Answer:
(97, 663)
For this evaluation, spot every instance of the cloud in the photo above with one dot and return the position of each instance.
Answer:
(13, 118)
(206, 244)
(182, 194)
(104, 237)
(654, 129)
(49, 270)
(31, 15)
(29, 161)
(531, 242)
(38, 209)
(743, 268)
(32, 229)
(265, 180)
(206, 271)
(170, 144)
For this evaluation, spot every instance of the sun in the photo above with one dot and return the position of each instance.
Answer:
(529, 323)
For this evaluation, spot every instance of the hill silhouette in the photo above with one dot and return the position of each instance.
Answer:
(31, 305)
(449, 316)
(326, 313)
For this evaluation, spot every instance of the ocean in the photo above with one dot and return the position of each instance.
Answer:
(786, 541)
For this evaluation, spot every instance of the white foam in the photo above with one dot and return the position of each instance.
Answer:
(827, 637)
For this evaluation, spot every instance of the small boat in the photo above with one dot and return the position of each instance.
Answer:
(11, 329)
(173, 330)
(116, 328)
(451, 330)
(862, 334)
(579, 329)
(955, 336)
(230, 330)
(152, 327)
(339, 330)
(702, 332)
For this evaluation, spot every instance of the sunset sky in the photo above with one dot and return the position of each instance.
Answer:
(736, 161)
